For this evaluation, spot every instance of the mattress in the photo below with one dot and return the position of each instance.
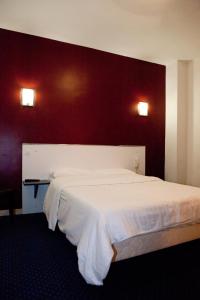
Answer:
(100, 210)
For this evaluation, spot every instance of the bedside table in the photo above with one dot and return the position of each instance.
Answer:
(36, 184)
(8, 195)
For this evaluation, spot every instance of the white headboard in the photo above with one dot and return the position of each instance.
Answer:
(38, 160)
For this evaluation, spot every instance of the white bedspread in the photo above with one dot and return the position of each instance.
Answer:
(95, 211)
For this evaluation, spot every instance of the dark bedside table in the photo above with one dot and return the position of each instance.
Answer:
(36, 184)
(8, 195)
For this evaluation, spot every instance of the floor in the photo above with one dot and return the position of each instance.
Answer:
(36, 263)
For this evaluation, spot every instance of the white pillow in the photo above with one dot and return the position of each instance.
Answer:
(67, 172)
(113, 171)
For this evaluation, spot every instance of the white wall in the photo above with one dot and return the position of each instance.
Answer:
(171, 122)
(182, 147)
(184, 97)
(194, 175)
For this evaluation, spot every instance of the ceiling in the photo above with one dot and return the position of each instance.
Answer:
(153, 30)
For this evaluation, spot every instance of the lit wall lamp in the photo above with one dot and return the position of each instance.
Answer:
(143, 108)
(27, 97)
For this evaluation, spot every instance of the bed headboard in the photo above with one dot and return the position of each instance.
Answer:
(38, 160)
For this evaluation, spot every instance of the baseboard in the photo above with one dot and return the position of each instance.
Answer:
(5, 212)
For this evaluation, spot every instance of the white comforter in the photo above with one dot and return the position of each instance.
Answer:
(95, 211)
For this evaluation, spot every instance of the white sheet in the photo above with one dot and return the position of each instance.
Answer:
(95, 211)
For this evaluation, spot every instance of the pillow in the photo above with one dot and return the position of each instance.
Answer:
(113, 171)
(67, 172)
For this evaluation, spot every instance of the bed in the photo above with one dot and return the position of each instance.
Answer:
(115, 213)
(75, 200)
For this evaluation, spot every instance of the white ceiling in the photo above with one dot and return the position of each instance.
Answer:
(154, 30)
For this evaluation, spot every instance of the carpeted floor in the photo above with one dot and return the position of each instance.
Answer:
(36, 263)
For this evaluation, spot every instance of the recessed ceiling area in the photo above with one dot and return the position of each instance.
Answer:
(156, 30)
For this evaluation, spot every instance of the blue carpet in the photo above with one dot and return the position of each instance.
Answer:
(36, 263)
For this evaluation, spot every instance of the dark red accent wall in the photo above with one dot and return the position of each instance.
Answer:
(83, 96)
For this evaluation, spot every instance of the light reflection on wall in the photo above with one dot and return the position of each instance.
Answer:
(74, 83)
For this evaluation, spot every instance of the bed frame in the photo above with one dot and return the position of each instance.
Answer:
(38, 160)
(150, 242)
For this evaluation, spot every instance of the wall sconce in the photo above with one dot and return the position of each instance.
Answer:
(143, 108)
(27, 97)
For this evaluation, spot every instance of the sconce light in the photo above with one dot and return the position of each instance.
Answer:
(143, 108)
(27, 97)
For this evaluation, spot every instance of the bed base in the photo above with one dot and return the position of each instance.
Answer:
(150, 242)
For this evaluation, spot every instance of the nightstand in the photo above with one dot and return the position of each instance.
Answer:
(36, 184)
(8, 195)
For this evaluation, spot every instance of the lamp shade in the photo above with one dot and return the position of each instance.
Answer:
(27, 97)
(143, 108)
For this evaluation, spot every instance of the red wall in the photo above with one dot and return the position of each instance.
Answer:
(84, 96)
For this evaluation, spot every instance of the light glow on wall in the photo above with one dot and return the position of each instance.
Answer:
(27, 97)
(143, 108)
